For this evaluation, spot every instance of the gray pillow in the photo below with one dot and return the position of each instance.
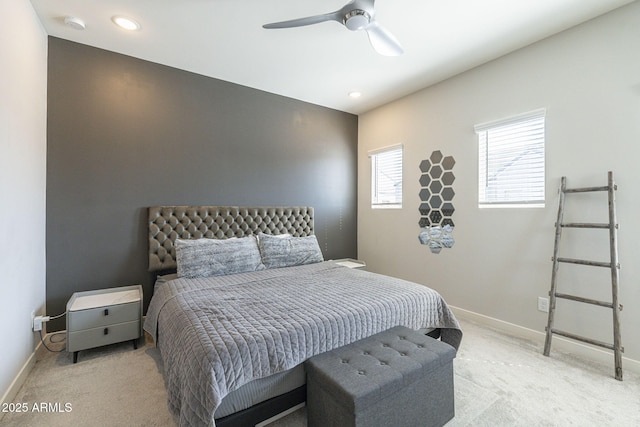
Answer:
(288, 251)
(214, 257)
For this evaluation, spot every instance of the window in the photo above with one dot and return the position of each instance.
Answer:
(511, 161)
(386, 177)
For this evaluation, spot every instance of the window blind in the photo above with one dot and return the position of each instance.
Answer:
(512, 160)
(386, 177)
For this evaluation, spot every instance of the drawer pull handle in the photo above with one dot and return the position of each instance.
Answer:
(106, 331)
(106, 311)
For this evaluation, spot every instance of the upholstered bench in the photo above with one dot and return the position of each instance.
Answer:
(398, 377)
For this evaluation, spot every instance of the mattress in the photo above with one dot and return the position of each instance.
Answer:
(260, 390)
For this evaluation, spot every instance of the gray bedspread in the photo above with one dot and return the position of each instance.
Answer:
(216, 334)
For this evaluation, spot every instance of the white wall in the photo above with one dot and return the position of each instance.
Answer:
(588, 79)
(23, 104)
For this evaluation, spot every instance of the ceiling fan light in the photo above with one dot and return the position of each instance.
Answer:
(356, 20)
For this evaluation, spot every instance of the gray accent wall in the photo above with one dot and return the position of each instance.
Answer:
(124, 134)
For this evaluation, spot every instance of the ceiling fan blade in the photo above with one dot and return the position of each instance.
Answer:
(383, 41)
(301, 22)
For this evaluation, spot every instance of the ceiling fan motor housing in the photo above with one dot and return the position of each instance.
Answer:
(356, 19)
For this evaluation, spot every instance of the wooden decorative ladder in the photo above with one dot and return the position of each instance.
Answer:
(613, 265)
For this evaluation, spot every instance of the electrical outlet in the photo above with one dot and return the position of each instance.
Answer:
(543, 304)
(37, 323)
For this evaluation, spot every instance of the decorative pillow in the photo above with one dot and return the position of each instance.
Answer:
(278, 251)
(216, 257)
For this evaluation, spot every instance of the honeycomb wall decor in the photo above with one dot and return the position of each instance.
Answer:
(436, 202)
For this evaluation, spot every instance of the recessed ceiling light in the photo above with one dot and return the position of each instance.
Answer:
(75, 23)
(355, 94)
(126, 23)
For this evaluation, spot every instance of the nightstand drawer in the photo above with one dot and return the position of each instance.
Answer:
(89, 338)
(101, 316)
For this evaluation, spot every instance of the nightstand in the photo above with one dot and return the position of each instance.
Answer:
(102, 317)
(351, 263)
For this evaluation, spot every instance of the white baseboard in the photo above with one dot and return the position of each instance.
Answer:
(559, 343)
(19, 380)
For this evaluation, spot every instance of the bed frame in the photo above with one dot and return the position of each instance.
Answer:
(168, 223)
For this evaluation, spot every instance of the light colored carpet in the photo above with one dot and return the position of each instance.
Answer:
(499, 381)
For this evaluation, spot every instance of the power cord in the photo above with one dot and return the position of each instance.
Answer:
(53, 342)
(46, 319)
(58, 316)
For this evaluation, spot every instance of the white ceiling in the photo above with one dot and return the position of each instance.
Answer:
(322, 63)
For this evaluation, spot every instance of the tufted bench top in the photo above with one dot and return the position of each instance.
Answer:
(365, 372)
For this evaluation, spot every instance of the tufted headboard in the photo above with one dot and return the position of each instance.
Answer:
(167, 223)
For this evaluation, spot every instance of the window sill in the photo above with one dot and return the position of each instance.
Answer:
(386, 206)
(511, 205)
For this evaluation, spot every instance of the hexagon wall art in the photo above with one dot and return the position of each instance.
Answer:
(436, 202)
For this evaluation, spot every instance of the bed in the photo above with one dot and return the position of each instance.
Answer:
(252, 298)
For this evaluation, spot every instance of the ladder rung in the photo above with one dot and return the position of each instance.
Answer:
(584, 225)
(585, 262)
(586, 189)
(587, 300)
(583, 339)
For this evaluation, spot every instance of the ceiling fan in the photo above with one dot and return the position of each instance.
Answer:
(355, 15)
